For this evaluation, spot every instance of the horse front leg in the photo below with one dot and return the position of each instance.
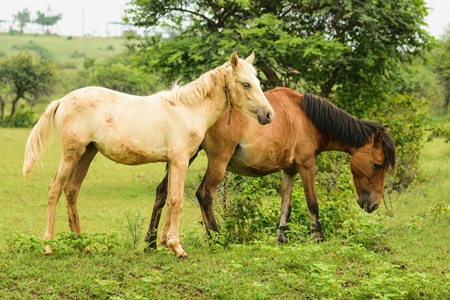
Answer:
(160, 201)
(308, 174)
(207, 190)
(171, 230)
(287, 184)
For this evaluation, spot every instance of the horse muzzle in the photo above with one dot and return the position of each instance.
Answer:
(264, 116)
(366, 204)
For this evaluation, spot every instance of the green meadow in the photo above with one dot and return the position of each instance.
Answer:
(67, 52)
(407, 260)
(410, 261)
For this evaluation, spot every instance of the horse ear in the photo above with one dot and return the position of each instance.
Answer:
(250, 58)
(386, 128)
(234, 60)
(378, 137)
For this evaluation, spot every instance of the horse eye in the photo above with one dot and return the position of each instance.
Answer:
(376, 167)
(246, 84)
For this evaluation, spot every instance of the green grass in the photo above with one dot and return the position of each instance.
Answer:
(108, 191)
(64, 50)
(410, 262)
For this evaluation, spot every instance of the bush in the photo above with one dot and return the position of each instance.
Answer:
(245, 218)
(22, 118)
(406, 117)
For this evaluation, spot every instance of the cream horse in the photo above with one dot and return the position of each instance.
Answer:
(168, 126)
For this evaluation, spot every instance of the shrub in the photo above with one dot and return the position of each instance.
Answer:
(406, 117)
(244, 217)
(22, 118)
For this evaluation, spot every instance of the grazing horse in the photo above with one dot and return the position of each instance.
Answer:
(165, 127)
(304, 127)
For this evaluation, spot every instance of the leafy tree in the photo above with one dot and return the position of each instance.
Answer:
(350, 51)
(441, 64)
(119, 74)
(26, 77)
(46, 20)
(22, 17)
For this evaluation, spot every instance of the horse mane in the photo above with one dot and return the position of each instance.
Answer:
(201, 88)
(344, 127)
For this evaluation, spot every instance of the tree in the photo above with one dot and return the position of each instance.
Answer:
(46, 20)
(26, 77)
(441, 66)
(117, 73)
(23, 17)
(350, 51)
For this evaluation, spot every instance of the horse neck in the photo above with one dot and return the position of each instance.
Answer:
(211, 99)
(329, 143)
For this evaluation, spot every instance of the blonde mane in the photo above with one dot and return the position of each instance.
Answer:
(196, 91)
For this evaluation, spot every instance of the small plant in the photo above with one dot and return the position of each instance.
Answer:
(415, 224)
(67, 242)
(134, 225)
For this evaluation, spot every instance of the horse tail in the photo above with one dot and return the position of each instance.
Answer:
(39, 137)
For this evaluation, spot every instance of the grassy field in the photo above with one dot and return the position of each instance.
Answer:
(410, 262)
(64, 50)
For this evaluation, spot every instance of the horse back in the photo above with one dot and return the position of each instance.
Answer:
(255, 150)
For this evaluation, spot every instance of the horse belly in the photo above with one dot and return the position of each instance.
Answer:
(255, 166)
(127, 154)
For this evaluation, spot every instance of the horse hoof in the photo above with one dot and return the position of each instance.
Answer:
(281, 237)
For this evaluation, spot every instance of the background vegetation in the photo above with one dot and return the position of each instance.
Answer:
(322, 47)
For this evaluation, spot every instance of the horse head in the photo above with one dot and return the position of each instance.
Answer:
(369, 166)
(244, 91)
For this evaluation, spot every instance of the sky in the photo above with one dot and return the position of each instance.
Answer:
(94, 17)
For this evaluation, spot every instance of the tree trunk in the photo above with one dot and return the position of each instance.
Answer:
(2, 110)
(270, 74)
(13, 107)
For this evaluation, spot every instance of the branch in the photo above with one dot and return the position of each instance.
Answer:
(270, 74)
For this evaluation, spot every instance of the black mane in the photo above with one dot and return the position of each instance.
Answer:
(344, 127)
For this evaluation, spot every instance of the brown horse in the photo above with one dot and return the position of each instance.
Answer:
(167, 126)
(304, 127)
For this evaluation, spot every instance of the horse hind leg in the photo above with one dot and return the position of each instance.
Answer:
(73, 184)
(69, 159)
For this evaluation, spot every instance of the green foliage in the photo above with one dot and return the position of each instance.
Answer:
(66, 243)
(333, 50)
(441, 66)
(119, 74)
(23, 118)
(22, 17)
(47, 20)
(27, 77)
(244, 217)
(405, 115)
(134, 225)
